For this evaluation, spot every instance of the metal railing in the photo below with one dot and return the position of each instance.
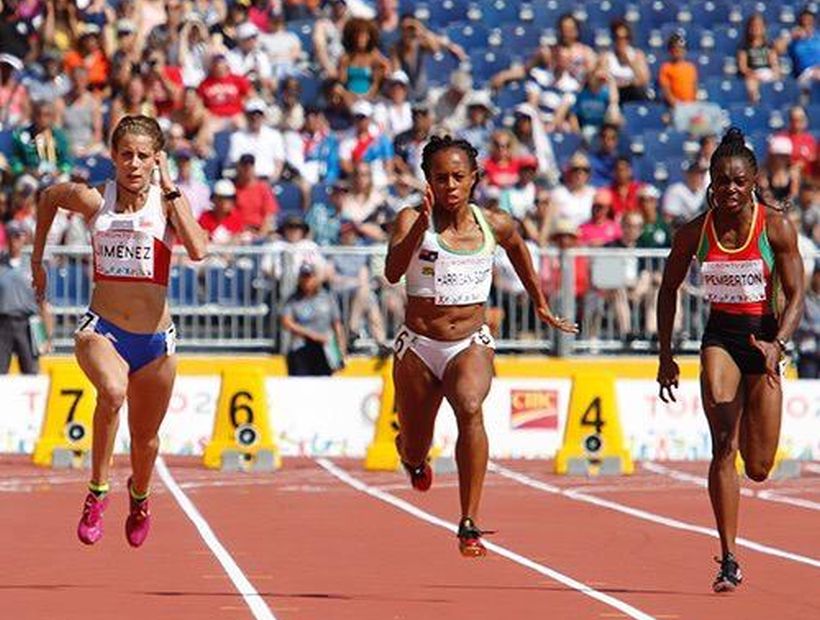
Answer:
(231, 301)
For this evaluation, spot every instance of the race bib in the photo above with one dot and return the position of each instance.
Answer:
(124, 254)
(734, 282)
(462, 280)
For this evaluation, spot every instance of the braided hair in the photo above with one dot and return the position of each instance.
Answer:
(436, 144)
(733, 144)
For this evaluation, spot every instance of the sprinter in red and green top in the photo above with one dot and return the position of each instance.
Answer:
(749, 258)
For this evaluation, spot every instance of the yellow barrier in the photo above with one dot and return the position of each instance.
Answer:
(65, 436)
(593, 437)
(242, 438)
(381, 453)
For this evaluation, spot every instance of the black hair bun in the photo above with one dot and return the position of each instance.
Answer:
(734, 136)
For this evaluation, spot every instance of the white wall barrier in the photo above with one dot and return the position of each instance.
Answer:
(523, 417)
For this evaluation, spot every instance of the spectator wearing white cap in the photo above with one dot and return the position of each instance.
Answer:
(47, 81)
(656, 232)
(779, 178)
(14, 99)
(572, 201)
(533, 140)
(366, 143)
(327, 38)
(122, 37)
(260, 140)
(394, 114)
(282, 47)
(250, 60)
(449, 105)
(683, 200)
(222, 222)
(480, 126)
(195, 190)
(804, 144)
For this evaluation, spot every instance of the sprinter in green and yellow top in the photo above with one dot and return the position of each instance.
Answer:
(444, 350)
(747, 252)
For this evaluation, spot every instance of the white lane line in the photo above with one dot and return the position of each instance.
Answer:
(648, 516)
(407, 507)
(255, 602)
(769, 496)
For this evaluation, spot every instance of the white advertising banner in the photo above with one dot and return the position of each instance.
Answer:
(336, 417)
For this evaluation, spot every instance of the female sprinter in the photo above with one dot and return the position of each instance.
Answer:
(125, 342)
(444, 350)
(747, 251)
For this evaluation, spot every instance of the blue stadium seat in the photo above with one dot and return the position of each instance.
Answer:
(100, 168)
(642, 116)
(444, 13)
(521, 37)
(303, 28)
(439, 66)
(320, 193)
(499, 12)
(311, 90)
(546, 14)
(727, 38)
(659, 12)
(510, 96)
(182, 285)
(487, 63)
(709, 66)
(289, 197)
(600, 15)
(749, 118)
(6, 139)
(709, 13)
(470, 36)
(213, 168)
(663, 144)
(780, 94)
(564, 145)
(814, 92)
(691, 32)
(725, 92)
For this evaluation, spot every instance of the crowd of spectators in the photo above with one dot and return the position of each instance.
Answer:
(310, 116)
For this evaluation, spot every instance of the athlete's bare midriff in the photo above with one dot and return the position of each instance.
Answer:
(445, 323)
(138, 307)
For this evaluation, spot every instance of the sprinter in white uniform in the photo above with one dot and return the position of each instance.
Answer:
(444, 350)
(125, 342)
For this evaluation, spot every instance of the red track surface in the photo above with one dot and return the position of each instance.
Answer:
(314, 547)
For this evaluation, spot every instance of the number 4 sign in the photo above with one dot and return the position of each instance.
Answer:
(593, 438)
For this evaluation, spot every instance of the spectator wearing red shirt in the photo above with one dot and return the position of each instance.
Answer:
(600, 229)
(223, 94)
(501, 167)
(255, 201)
(624, 188)
(564, 236)
(223, 222)
(804, 146)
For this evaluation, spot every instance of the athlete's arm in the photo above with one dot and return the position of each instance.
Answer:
(684, 246)
(74, 197)
(789, 266)
(507, 236)
(193, 237)
(407, 233)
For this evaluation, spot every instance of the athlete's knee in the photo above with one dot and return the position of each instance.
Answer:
(758, 469)
(111, 396)
(724, 446)
(468, 410)
(140, 442)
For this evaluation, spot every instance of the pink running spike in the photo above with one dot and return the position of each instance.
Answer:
(90, 528)
(138, 522)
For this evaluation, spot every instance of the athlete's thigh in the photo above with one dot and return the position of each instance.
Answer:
(468, 377)
(100, 362)
(720, 381)
(149, 392)
(760, 421)
(418, 392)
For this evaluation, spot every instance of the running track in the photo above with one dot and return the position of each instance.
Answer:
(323, 539)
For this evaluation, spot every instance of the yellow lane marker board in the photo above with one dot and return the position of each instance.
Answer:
(593, 437)
(242, 438)
(65, 436)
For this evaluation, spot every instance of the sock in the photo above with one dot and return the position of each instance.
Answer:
(98, 489)
(136, 495)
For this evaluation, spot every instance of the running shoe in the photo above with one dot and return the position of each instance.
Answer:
(729, 576)
(138, 522)
(90, 528)
(421, 477)
(469, 539)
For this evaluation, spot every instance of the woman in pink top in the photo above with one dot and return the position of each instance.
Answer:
(601, 229)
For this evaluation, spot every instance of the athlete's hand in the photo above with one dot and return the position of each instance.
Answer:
(39, 281)
(565, 325)
(426, 211)
(772, 354)
(166, 183)
(668, 374)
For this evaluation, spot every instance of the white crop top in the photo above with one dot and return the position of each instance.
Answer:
(131, 247)
(452, 277)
